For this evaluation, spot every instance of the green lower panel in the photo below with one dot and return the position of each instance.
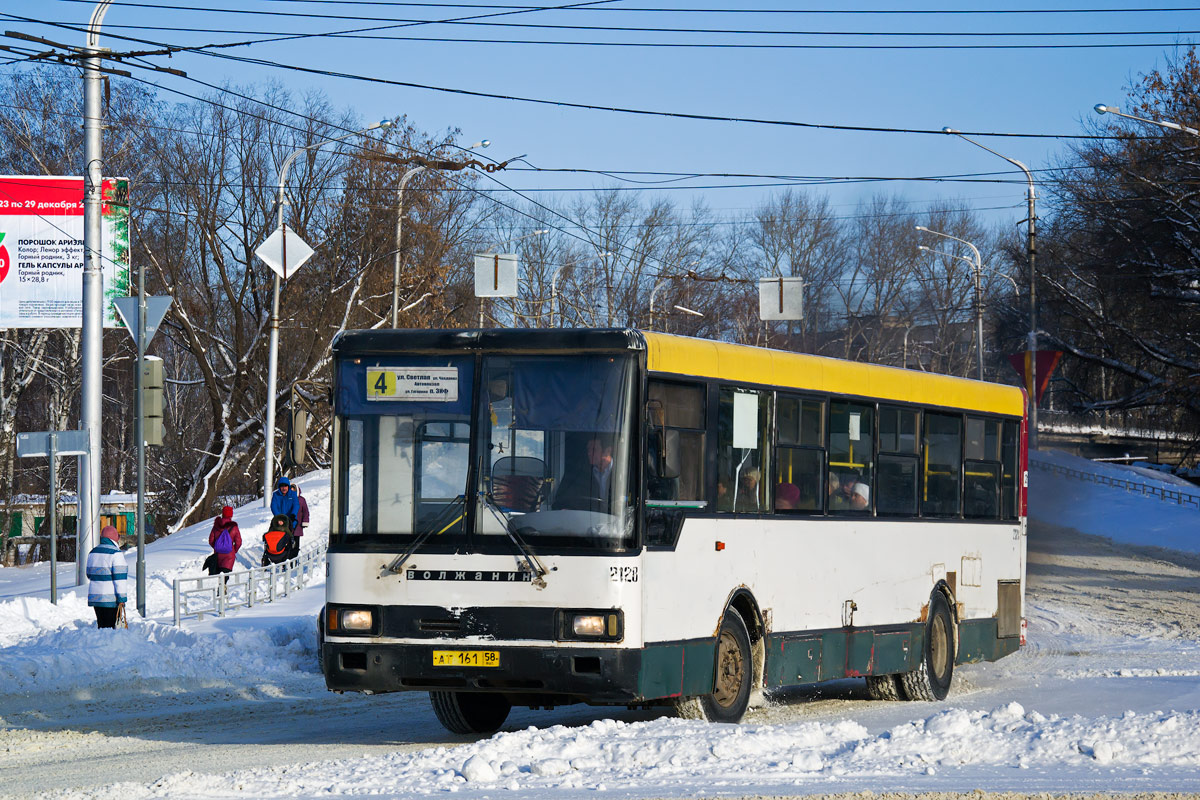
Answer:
(833, 655)
(792, 661)
(860, 653)
(674, 670)
(977, 641)
(894, 652)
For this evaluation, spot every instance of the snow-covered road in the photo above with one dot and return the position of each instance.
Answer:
(1106, 697)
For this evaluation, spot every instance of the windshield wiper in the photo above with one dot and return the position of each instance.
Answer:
(432, 530)
(535, 565)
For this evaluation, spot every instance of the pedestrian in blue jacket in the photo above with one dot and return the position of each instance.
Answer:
(285, 501)
(107, 578)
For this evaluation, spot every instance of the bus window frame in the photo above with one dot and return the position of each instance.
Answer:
(822, 494)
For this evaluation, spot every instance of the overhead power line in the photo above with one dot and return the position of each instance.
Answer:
(585, 106)
(664, 10)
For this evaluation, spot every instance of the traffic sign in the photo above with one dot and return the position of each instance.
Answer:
(281, 242)
(780, 298)
(67, 443)
(156, 309)
(495, 275)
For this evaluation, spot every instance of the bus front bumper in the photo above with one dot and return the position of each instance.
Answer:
(592, 675)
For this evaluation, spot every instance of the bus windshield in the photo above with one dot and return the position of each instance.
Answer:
(550, 434)
(554, 434)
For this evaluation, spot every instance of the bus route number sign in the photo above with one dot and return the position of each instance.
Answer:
(428, 384)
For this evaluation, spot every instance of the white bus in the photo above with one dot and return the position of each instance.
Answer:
(543, 517)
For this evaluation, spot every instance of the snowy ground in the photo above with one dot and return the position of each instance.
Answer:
(1105, 698)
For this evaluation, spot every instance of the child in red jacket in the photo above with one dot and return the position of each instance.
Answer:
(225, 540)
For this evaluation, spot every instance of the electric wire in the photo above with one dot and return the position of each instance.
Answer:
(587, 106)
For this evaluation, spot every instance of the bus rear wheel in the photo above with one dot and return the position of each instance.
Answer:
(931, 679)
(884, 687)
(732, 678)
(470, 712)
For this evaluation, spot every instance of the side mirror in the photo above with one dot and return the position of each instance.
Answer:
(298, 436)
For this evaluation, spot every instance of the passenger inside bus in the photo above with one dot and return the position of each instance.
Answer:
(787, 497)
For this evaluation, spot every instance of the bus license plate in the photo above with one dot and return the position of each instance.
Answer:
(466, 658)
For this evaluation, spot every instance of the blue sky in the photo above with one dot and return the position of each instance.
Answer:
(1006, 90)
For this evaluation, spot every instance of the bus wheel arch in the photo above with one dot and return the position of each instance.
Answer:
(737, 664)
(743, 603)
(931, 678)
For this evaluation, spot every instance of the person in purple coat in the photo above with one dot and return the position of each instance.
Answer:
(301, 520)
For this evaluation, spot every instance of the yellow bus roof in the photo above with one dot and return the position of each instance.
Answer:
(681, 355)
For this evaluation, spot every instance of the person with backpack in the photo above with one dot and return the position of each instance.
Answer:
(108, 578)
(225, 540)
(278, 540)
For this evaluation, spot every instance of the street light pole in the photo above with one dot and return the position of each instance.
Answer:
(554, 304)
(273, 345)
(1171, 126)
(400, 228)
(1032, 253)
(978, 264)
(92, 326)
(653, 294)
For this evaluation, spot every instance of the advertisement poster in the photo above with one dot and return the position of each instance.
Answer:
(41, 250)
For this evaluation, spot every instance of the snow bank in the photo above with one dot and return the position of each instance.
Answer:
(1116, 513)
(671, 756)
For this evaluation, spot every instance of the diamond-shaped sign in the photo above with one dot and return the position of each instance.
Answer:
(156, 309)
(284, 251)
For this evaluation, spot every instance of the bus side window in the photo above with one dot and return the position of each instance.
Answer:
(851, 457)
(676, 419)
(742, 441)
(896, 483)
(982, 469)
(799, 454)
(1008, 477)
(941, 488)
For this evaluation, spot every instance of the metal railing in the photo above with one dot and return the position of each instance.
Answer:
(1145, 489)
(217, 594)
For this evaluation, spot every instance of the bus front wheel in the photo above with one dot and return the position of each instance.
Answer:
(931, 679)
(731, 682)
(470, 712)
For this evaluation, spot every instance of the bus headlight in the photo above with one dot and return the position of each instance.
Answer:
(588, 625)
(601, 625)
(357, 619)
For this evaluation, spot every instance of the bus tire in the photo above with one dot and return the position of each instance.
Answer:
(470, 712)
(884, 687)
(731, 679)
(931, 679)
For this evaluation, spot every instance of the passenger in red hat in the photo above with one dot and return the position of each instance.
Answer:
(225, 540)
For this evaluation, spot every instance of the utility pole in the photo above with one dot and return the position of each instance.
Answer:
(92, 333)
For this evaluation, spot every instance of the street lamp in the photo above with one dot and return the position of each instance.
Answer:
(1031, 250)
(1173, 126)
(447, 165)
(978, 263)
(273, 347)
(554, 305)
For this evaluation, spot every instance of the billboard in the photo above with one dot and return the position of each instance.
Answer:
(41, 250)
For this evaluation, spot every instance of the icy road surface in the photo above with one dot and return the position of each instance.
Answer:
(1106, 697)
